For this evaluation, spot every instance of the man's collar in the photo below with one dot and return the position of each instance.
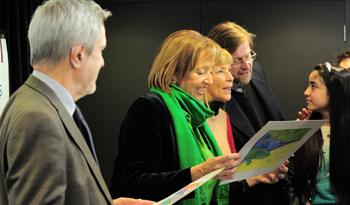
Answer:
(238, 87)
(62, 93)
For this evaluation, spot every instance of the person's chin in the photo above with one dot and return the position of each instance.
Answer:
(244, 81)
(227, 98)
(91, 89)
(198, 97)
(310, 108)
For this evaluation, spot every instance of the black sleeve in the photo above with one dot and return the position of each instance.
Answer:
(145, 159)
(285, 188)
(240, 196)
(283, 192)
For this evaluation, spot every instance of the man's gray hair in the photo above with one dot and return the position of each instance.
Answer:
(57, 25)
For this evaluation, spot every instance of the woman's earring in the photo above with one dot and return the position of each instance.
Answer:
(173, 80)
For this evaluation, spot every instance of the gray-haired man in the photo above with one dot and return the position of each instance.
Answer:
(47, 152)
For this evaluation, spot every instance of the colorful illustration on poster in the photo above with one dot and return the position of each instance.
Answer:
(271, 148)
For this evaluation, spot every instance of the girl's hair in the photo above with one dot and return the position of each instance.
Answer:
(309, 158)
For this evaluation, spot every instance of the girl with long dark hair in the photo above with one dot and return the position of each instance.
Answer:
(321, 164)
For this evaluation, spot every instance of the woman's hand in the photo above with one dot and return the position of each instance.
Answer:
(270, 178)
(303, 115)
(230, 162)
(130, 201)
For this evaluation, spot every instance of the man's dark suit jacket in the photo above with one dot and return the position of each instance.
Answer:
(282, 192)
(242, 130)
(44, 158)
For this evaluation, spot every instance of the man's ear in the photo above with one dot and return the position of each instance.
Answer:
(77, 55)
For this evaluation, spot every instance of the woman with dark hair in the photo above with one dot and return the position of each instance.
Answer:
(321, 168)
(165, 142)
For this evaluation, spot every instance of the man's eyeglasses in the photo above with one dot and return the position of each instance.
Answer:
(251, 57)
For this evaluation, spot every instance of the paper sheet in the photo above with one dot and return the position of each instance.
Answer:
(188, 189)
(269, 148)
(4, 74)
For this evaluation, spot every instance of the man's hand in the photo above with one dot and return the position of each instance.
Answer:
(270, 178)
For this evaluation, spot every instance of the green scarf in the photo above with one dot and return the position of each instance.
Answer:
(189, 119)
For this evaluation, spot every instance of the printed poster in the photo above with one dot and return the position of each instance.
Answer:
(4, 73)
(272, 146)
(188, 189)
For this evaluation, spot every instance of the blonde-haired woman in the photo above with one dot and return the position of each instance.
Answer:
(218, 93)
(164, 142)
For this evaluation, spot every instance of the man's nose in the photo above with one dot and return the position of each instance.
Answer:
(245, 65)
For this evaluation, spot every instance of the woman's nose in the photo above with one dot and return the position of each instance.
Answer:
(208, 79)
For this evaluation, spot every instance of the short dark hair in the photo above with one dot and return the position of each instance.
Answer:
(342, 56)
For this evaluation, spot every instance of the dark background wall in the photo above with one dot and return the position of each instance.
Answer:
(292, 36)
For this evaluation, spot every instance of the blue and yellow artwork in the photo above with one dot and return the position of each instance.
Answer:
(271, 148)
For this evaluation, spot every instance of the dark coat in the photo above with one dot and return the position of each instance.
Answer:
(147, 165)
(242, 130)
(282, 192)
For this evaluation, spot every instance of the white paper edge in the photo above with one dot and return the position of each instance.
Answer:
(275, 125)
(202, 180)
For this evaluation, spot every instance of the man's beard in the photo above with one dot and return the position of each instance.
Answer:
(244, 80)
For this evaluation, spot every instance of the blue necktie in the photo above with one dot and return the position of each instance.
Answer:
(85, 131)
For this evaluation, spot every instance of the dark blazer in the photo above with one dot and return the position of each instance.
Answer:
(44, 157)
(242, 130)
(147, 165)
(282, 192)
